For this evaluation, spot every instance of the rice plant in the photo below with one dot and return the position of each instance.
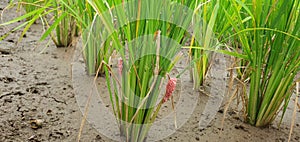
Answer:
(214, 27)
(268, 34)
(53, 15)
(200, 58)
(276, 59)
(271, 43)
(30, 18)
(94, 51)
(147, 35)
(64, 24)
(88, 22)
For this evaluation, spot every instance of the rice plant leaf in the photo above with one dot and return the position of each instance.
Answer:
(13, 30)
(235, 54)
(53, 26)
(245, 7)
(35, 12)
(29, 25)
(263, 29)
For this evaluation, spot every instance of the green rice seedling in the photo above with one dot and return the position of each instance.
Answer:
(201, 58)
(147, 35)
(270, 40)
(31, 17)
(66, 27)
(88, 26)
(60, 20)
(65, 20)
(94, 51)
(268, 35)
(276, 58)
(213, 27)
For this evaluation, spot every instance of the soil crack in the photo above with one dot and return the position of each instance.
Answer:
(58, 101)
(12, 94)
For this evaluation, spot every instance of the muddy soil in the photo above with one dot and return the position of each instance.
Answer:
(36, 86)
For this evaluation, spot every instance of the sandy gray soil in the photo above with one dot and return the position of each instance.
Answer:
(37, 85)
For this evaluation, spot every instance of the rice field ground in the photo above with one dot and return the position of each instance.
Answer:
(36, 86)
